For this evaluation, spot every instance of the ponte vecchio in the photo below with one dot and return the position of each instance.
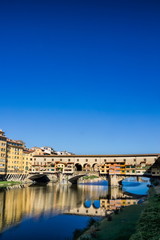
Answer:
(114, 167)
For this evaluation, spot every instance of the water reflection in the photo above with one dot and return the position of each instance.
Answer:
(50, 200)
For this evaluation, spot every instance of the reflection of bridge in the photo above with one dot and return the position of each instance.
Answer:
(54, 199)
(101, 207)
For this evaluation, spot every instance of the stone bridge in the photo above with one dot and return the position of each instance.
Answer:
(43, 177)
(61, 178)
(114, 168)
(74, 179)
(113, 180)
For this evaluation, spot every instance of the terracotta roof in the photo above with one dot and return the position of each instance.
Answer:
(4, 137)
(25, 151)
(116, 155)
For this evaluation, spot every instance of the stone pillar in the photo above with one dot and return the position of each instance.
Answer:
(113, 180)
(138, 178)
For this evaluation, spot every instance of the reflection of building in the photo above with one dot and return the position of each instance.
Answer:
(53, 199)
(110, 204)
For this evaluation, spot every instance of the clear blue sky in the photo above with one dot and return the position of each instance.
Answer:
(82, 76)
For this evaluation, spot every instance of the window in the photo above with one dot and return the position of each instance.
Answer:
(86, 160)
(77, 160)
(95, 160)
(69, 160)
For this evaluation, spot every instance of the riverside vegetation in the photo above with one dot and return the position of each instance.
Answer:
(148, 227)
(8, 183)
(119, 226)
(136, 222)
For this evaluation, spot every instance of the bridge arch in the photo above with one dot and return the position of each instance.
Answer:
(87, 167)
(96, 204)
(95, 167)
(87, 203)
(78, 167)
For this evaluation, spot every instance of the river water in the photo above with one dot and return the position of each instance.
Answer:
(54, 211)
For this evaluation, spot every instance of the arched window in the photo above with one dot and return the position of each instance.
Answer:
(78, 167)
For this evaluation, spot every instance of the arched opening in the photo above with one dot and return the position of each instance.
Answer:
(96, 204)
(95, 167)
(78, 167)
(86, 167)
(87, 203)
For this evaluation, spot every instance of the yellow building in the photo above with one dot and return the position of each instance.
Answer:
(27, 160)
(3, 151)
(13, 164)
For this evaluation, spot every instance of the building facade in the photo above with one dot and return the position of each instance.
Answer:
(12, 162)
(104, 164)
(3, 153)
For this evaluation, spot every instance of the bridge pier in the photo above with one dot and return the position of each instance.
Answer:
(115, 180)
(139, 179)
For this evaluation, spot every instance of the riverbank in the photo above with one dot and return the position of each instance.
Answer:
(119, 226)
(148, 226)
(136, 222)
(9, 183)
